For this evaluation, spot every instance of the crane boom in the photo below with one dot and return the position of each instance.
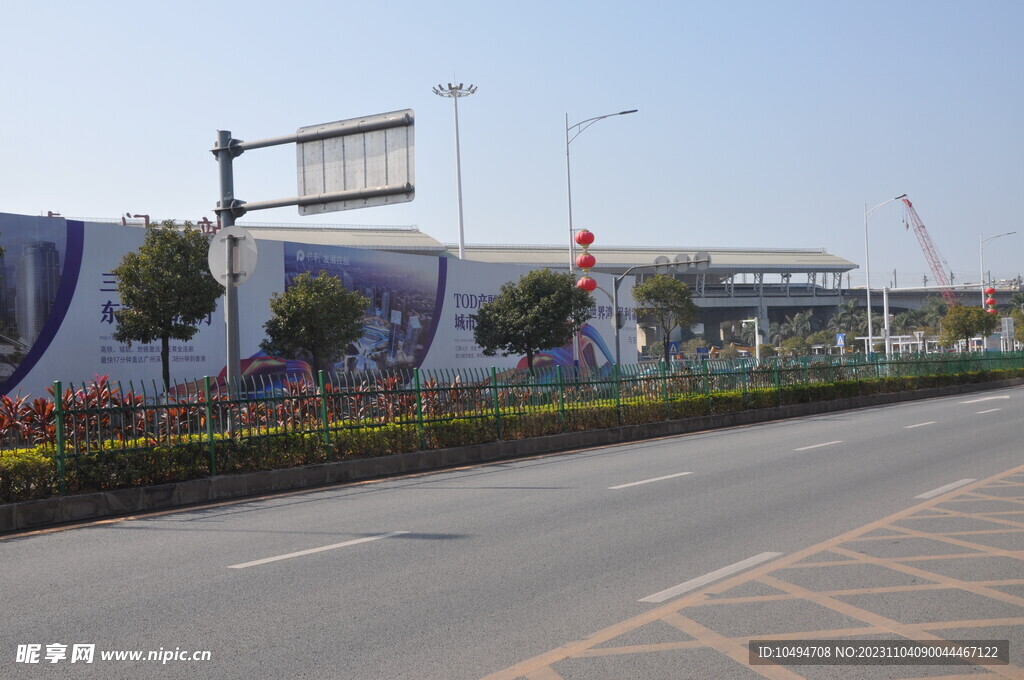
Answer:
(938, 264)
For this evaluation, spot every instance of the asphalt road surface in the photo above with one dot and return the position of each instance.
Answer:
(651, 560)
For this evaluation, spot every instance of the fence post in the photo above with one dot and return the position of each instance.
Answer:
(778, 385)
(58, 409)
(497, 403)
(419, 407)
(618, 396)
(561, 395)
(211, 452)
(325, 421)
(664, 390)
(743, 383)
(707, 386)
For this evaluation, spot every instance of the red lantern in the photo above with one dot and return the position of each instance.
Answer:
(586, 283)
(584, 237)
(990, 302)
(990, 291)
(992, 311)
(585, 261)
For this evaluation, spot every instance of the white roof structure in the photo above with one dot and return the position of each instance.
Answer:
(610, 259)
(619, 258)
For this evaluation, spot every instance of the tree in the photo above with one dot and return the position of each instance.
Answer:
(847, 319)
(166, 289)
(1018, 324)
(666, 301)
(964, 322)
(315, 318)
(542, 310)
(795, 346)
(822, 337)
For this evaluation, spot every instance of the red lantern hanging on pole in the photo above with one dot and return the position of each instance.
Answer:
(585, 261)
(990, 300)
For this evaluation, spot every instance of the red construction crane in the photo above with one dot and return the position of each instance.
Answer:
(937, 263)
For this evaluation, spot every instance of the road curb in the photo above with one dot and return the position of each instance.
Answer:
(62, 510)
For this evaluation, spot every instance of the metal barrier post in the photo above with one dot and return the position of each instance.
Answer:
(419, 407)
(58, 399)
(497, 404)
(664, 390)
(618, 396)
(561, 396)
(325, 421)
(211, 452)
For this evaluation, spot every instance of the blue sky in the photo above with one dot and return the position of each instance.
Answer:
(760, 124)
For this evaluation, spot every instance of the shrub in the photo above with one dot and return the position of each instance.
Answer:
(27, 474)
(116, 440)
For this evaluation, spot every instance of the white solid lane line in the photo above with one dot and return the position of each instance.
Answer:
(716, 575)
(991, 410)
(648, 481)
(816, 446)
(910, 427)
(276, 558)
(943, 489)
(975, 401)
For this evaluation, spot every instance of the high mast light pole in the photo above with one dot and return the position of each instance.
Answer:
(454, 92)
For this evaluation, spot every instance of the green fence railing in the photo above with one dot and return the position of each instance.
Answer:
(105, 434)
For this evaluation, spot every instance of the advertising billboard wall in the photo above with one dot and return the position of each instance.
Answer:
(58, 299)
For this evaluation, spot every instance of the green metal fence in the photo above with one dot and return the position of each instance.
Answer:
(105, 434)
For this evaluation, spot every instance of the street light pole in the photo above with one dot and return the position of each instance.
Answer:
(454, 92)
(579, 128)
(867, 264)
(981, 250)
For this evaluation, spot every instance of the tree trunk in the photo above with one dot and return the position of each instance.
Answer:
(165, 360)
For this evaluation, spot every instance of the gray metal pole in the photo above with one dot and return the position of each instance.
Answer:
(867, 287)
(572, 251)
(885, 313)
(458, 179)
(227, 219)
(615, 314)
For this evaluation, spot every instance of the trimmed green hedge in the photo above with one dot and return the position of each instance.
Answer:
(32, 473)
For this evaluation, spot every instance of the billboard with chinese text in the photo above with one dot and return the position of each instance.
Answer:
(58, 300)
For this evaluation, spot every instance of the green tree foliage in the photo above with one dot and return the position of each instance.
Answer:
(315, 319)
(798, 325)
(963, 322)
(666, 301)
(822, 337)
(693, 344)
(166, 289)
(795, 346)
(542, 310)
(1018, 324)
(848, 318)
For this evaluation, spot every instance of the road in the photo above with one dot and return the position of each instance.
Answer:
(469, 572)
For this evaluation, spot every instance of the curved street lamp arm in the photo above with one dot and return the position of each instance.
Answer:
(584, 124)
